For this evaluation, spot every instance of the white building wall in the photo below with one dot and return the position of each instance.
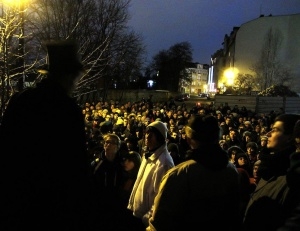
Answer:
(250, 39)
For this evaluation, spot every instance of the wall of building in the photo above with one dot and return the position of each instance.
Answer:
(250, 38)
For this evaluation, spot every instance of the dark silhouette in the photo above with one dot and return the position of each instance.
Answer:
(45, 182)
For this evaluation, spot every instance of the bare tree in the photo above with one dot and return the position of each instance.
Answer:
(100, 26)
(12, 53)
(170, 66)
(269, 69)
(245, 83)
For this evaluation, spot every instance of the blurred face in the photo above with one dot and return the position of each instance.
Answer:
(250, 151)
(263, 143)
(174, 135)
(128, 165)
(255, 168)
(110, 148)
(228, 121)
(242, 161)
(248, 138)
(276, 138)
(232, 156)
(232, 135)
(150, 140)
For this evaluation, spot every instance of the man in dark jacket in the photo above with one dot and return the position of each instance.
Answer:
(273, 195)
(202, 191)
(44, 167)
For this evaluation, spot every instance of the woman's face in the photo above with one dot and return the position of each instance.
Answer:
(232, 156)
(128, 165)
(277, 140)
(242, 161)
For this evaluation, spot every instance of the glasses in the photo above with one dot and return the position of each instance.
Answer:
(110, 142)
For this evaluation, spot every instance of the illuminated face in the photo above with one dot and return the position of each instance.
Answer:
(150, 140)
(232, 134)
(276, 138)
(174, 135)
(111, 148)
(242, 161)
(232, 156)
(255, 168)
(250, 151)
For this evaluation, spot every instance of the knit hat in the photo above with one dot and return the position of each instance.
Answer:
(257, 163)
(160, 127)
(263, 138)
(247, 133)
(252, 145)
(241, 154)
(247, 122)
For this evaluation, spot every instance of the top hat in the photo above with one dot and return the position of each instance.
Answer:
(62, 57)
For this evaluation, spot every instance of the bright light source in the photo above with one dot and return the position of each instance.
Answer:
(230, 74)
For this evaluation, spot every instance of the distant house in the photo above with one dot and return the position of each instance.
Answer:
(199, 77)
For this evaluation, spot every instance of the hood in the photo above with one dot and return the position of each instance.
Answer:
(211, 156)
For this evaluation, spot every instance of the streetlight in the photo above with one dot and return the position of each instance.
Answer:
(229, 74)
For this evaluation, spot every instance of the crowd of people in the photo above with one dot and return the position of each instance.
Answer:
(242, 134)
(142, 165)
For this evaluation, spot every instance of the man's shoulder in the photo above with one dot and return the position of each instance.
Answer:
(185, 166)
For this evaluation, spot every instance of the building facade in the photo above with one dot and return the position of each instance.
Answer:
(269, 42)
(198, 73)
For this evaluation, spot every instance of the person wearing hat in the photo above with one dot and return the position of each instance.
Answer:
(246, 138)
(201, 191)
(44, 160)
(252, 151)
(156, 161)
(262, 145)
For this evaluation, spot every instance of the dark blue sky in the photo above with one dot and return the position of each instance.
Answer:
(203, 23)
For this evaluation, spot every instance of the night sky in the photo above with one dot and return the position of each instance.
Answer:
(203, 23)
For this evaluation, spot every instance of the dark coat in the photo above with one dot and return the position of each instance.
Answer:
(272, 196)
(200, 192)
(44, 168)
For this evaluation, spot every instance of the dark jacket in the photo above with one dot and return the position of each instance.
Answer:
(200, 192)
(44, 167)
(273, 200)
(292, 223)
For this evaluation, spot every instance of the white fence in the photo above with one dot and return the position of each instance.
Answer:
(261, 104)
